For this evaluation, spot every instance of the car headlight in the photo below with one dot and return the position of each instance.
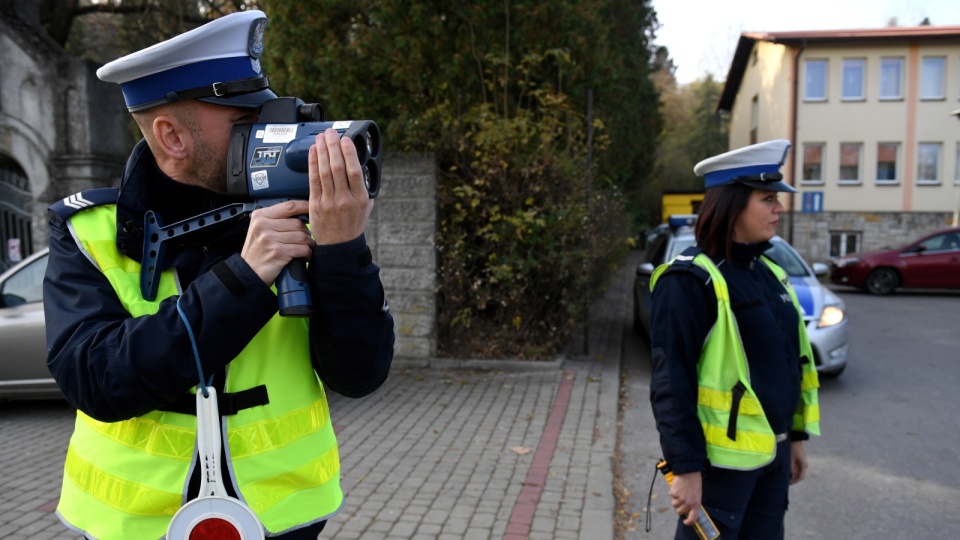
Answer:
(834, 310)
(832, 315)
(845, 261)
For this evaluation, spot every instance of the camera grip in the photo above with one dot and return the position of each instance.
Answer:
(293, 290)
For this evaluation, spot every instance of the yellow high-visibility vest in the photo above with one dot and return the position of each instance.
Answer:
(742, 438)
(127, 479)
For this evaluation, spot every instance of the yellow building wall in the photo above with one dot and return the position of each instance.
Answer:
(908, 121)
(680, 203)
(768, 77)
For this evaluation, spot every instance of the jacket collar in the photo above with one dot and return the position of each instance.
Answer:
(746, 254)
(145, 187)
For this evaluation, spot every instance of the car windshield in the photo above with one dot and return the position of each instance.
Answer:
(680, 244)
(787, 259)
(25, 286)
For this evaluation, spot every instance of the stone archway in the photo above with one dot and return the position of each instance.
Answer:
(16, 238)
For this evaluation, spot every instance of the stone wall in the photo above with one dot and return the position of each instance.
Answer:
(402, 239)
(61, 126)
(878, 230)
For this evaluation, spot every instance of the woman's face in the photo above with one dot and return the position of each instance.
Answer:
(758, 221)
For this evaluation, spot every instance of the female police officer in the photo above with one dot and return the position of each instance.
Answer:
(734, 384)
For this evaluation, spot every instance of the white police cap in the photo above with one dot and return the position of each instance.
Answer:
(757, 166)
(218, 62)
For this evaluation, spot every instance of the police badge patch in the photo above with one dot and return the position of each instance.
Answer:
(255, 43)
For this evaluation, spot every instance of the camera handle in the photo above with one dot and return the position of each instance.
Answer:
(293, 291)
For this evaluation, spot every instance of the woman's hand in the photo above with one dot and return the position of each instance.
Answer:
(685, 494)
(798, 462)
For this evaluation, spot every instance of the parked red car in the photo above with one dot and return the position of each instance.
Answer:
(932, 262)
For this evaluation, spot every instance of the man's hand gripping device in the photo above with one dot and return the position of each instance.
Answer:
(267, 163)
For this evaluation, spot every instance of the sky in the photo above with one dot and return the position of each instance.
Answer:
(701, 35)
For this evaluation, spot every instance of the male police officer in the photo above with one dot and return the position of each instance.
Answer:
(129, 364)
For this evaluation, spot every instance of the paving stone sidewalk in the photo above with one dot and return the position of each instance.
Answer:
(444, 450)
(505, 450)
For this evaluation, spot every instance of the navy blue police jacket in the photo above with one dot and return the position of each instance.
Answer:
(114, 367)
(683, 311)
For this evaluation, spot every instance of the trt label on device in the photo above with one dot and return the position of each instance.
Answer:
(268, 156)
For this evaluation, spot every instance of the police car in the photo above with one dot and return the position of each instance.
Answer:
(23, 365)
(823, 311)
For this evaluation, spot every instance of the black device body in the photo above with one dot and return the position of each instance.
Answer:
(267, 164)
(268, 159)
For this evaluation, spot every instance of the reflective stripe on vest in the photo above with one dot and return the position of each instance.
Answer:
(753, 443)
(126, 479)
(807, 417)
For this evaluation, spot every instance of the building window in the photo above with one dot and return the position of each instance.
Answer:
(853, 75)
(891, 76)
(932, 70)
(816, 81)
(754, 119)
(928, 163)
(812, 163)
(850, 162)
(843, 243)
(887, 157)
(956, 169)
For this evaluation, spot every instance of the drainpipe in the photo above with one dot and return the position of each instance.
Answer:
(956, 188)
(793, 136)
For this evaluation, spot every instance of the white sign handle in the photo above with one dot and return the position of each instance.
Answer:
(212, 503)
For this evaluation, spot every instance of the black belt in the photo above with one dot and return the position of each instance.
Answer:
(222, 89)
(229, 403)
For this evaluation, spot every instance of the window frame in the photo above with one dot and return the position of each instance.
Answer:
(823, 83)
(956, 167)
(899, 81)
(850, 181)
(920, 163)
(803, 164)
(896, 165)
(941, 91)
(842, 248)
(861, 91)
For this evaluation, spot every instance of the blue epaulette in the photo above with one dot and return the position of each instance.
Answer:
(68, 206)
(684, 263)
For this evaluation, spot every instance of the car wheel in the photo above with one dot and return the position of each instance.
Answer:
(882, 281)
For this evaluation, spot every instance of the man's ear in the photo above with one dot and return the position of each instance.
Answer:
(172, 136)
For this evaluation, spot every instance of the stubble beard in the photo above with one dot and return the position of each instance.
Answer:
(210, 167)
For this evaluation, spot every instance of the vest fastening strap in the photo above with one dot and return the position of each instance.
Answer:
(228, 403)
(738, 391)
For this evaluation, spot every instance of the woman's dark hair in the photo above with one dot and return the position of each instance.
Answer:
(719, 211)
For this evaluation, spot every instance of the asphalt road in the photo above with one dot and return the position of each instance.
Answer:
(886, 466)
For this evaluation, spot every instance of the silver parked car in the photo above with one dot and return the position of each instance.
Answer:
(23, 368)
(823, 311)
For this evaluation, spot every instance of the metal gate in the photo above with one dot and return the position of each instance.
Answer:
(16, 239)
